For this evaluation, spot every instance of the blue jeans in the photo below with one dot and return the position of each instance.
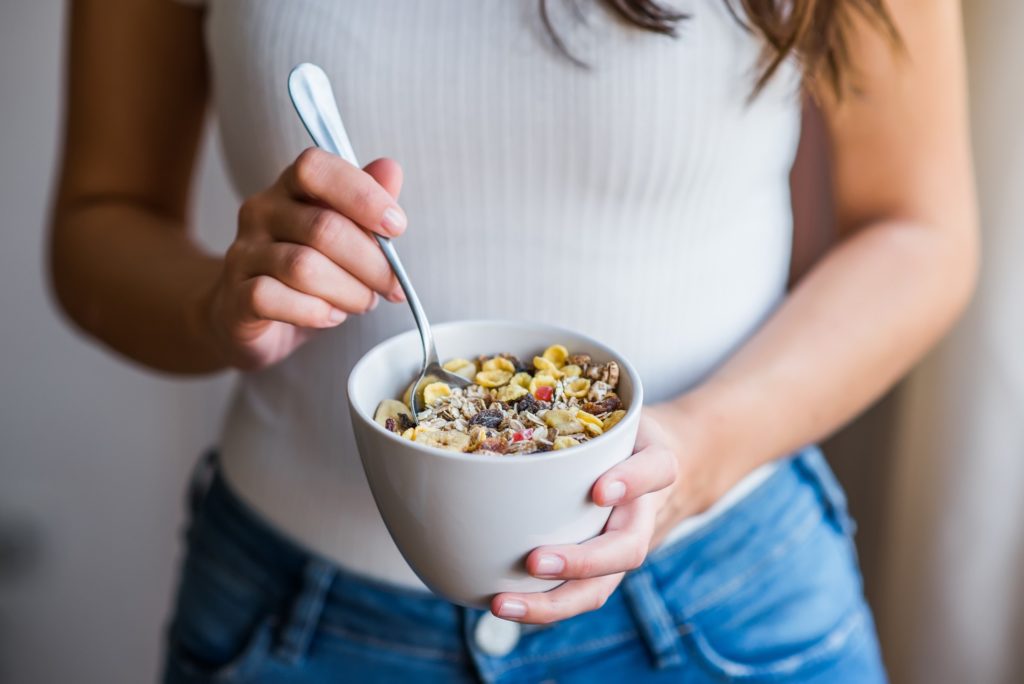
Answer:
(767, 592)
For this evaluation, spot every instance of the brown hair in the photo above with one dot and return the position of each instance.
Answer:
(816, 31)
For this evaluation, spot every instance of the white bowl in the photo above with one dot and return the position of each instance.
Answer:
(466, 522)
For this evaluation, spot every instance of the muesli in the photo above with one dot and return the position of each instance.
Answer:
(557, 401)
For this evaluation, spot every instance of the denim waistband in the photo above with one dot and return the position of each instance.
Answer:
(324, 598)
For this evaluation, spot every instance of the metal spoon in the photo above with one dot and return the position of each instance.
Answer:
(311, 93)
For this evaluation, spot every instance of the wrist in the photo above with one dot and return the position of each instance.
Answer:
(201, 317)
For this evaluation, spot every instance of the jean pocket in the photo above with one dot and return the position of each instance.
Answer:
(796, 612)
(188, 662)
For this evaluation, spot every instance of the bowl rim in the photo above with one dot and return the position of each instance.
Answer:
(635, 405)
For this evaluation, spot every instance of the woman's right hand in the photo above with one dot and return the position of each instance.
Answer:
(304, 258)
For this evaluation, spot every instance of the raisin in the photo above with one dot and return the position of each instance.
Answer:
(521, 367)
(389, 424)
(490, 418)
(405, 422)
(528, 403)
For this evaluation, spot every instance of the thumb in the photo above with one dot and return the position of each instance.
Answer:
(388, 173)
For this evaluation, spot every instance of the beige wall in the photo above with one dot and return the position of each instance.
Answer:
(93, 452)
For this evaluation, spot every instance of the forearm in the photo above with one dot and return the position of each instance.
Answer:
(135, 281)
(847, 332)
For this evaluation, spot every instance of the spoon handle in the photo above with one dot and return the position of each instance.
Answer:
(313, 97)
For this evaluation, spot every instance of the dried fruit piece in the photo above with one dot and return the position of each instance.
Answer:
(577, 387)
(542, 380)
(391, 409)
(511, 392)
(545, 393)
(435, 391)
(493, 378)
(612, 420)
(564, 443)
(556, 354)
(490, 418)
(528, 404)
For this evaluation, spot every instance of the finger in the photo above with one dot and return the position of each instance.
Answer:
(388, 173)
(623, 546)
(304, 269)
(330, 180)
(648, 470)
(339, 239)
(266, 299)
(566, 601)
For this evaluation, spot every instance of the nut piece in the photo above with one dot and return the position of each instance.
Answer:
(578, 360)
(607, 373)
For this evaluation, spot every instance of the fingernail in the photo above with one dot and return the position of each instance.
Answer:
(336, 316)
(512, 608)
(614, 491)
(394, 220)
(549, 564)
(375, 302)
(396, 295)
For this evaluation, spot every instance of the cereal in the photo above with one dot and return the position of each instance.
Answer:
(558, 401)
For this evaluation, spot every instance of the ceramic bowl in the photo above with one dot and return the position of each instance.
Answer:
(466, 522)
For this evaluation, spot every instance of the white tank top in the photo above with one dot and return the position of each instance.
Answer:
(643, 201)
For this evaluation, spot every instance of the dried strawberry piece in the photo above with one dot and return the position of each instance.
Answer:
(522, 435)
(544, 393)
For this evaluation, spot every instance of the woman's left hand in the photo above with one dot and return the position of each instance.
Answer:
(642, 489)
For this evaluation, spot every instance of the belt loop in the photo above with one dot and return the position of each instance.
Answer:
(304, 613)
(203, 473)
(653, 621)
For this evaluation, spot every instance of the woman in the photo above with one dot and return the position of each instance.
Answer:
(567, 163)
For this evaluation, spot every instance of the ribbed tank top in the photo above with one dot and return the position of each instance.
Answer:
(642, 199)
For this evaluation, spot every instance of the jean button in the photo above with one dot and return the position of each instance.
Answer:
(496, 637)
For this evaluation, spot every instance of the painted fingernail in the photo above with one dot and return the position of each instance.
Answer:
(549, 564)
(336, 316)
(394, 220)
(512, 608)
(614, 491)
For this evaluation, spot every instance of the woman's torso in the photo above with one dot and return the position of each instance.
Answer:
(643, 200)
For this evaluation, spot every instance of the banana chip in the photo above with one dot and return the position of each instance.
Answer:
(511, 392)
(612, 420)
(492, 378)
(556, 354)
(452, 440)
(577, 387)
(407, 395)
(434, 391)
(591, 423)
(564, 421)
(464, 368)
(391, 408)
(499, 363)
(564, 443)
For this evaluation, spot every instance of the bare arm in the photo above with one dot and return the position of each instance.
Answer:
(903, 272)
(124, 265)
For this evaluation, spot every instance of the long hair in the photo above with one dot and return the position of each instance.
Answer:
(816, 32)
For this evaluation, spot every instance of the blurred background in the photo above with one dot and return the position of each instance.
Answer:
(94, 453)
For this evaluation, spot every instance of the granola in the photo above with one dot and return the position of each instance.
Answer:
(557, 401)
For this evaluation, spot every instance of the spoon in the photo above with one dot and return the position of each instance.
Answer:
(311, 93)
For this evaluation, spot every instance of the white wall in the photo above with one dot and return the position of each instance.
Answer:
(93, 452)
